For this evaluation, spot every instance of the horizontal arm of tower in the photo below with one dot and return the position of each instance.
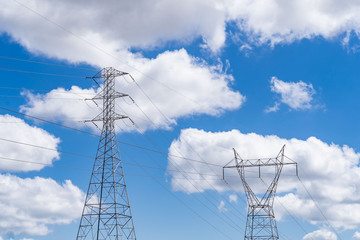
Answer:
(115, 117)
(108, 73)
(259, 164)
(115, 95)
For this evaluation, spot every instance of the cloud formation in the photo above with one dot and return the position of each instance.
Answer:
(16, 129)
(356, 236)
(31, 205)
(196, 89)
(297, 95)
(147, 24)
(322, 234)
(328, 171)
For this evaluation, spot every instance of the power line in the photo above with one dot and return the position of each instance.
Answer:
(288, 212)
(178, 169)
(318, 207)
(91, 157)
(76, 168)
(96, 135)
(193, 196)
(170, 162)
(47, 91)
(100, 49)
(43, 164)
(181, 171)
(12, 96)
(45, 63)
(39, 73)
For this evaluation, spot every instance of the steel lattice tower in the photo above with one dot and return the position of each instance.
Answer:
(260, 223)
(107, 214)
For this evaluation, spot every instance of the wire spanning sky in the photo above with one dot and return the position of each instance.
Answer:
(208, 76)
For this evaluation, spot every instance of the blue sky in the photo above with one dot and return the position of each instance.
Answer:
(250, 75)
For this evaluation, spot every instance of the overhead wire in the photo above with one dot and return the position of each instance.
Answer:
(195, 197)
(176, 166)
(97, 135)
(86, 156)
(232, 223)
(288, 212)
(100, 49)
(64, 29)
(39, 73)
(74, 168)
(12, 96)
(316, 204)
(45, 63)
(41, 90)
(211, 186)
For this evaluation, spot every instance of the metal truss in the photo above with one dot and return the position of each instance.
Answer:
(106, 213)
(260, 223)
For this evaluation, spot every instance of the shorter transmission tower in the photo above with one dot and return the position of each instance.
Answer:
(260, 223)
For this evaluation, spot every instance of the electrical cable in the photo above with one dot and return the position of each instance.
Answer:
(176, 165)
(96, 135)
(45, 63)
(39, 73)
(100, 49)
(196, 198)
(318, 207)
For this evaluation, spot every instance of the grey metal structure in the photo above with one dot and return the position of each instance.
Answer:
(107, 214)
(260, 223)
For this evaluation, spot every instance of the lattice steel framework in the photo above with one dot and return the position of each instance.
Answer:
(107, 214)
(260, 223)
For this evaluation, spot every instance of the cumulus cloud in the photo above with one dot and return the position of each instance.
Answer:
(145, 24)
(31, 205)
(273, 22)
(297, 95)
(233, 198)
(222, 207)
(356, 236)
(322, 234)
(200, 89)
(16, 129)
(329, 172)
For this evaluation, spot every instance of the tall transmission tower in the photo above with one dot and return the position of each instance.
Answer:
(260, 223)
(107, 214)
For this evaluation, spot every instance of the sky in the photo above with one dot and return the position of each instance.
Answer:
(209, 76)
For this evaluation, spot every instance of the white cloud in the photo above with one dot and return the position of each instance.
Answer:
(233, 198)
(200, 89)
(297, 95)
(322, 234)
(147, 24)
(222, 207)
(16, 129)
(139, 24)
(274, 108)
(278, 21)
(356, 236)
(31, 205)
(119, 26)
(330, 172)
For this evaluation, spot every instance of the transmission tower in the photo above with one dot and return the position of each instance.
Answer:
(107, 214)
(260, 223)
